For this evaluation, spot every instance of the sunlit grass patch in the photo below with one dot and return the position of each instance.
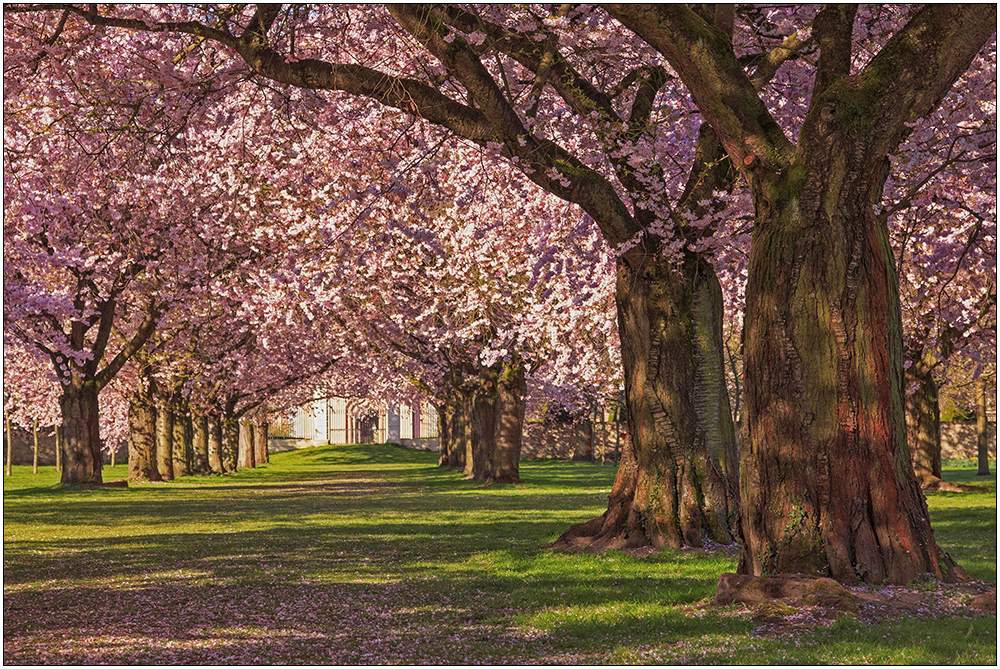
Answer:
(374, 555)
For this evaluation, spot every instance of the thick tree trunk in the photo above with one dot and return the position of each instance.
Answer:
(230, 443)
(826, 478)
(923, 425)
(260, 443)
(498, 423)
(142, 439)
(676, 483)
(182, 443)
(982, 437)
(215, 444)
(455, 430)
(82, 436)
(59, 448)
(245, 456)
(199, 444)
(164, 441)
(511, 390)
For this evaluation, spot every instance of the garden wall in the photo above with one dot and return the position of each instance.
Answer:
(541, 441)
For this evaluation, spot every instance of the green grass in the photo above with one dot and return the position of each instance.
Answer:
(373, 554)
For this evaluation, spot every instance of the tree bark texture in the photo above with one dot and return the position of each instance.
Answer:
(498, 423)
(455, 433)
(215, 444)
(199, 444)
(82, 436)
(59, 448)
(142, 439)
(164, 441)
(982, 437)
(676, 484)
(230, 443)
(10, 442)
(444, 440)
(245, 455)
(828, 487)
(181, 451)
(260, 443)
(34, 448)
(923, 424)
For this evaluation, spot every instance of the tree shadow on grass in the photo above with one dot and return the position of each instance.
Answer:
(418, 617)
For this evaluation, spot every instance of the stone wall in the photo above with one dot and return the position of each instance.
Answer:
(958, 440)
(23, 443)
(558, 441)
(542, 441)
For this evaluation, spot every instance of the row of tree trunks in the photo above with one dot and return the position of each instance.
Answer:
(166, 440)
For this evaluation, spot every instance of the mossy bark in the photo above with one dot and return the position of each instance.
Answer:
(676, 484)
(455, 425)
(826, 477)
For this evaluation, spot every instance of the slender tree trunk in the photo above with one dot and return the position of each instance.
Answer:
(923, 425)
(142, 464)
(463, 433)
(676, 482)
(245, 456)
(230, 442)
(59, 448)
(181, 443)
(10, 442)
(79, 406)
(215, 449)
(164, 441)
(34, 450)
(826, 478)
(260, 443)
(444, 442)
(199, 444)
(982, 436)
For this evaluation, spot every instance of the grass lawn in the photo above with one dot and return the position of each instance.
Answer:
(374, 555)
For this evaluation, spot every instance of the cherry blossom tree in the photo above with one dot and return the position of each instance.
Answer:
(611, 135)
(98, 203)
(621, 137)
(823, 340)
(941, 206)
